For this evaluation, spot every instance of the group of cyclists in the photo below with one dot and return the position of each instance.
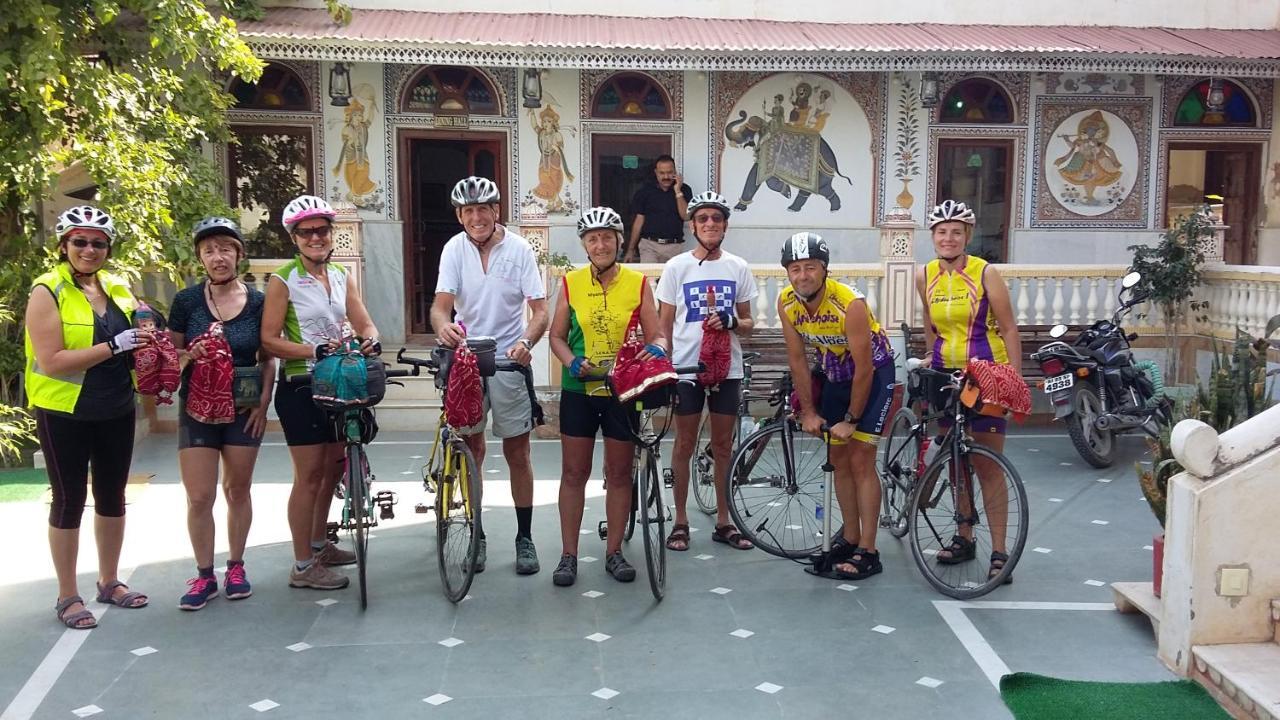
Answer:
(79, 333)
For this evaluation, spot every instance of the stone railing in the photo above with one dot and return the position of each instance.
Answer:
(1239, 296)
(1052, 294)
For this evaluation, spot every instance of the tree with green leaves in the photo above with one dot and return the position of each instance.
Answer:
(129, 90)
(1171, 271)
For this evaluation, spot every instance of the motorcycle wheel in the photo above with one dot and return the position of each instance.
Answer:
(1094, 445)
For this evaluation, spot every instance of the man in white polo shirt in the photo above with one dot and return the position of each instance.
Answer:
(487, 274)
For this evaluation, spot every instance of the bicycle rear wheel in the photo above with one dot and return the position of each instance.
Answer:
(457, 520)
(357, 498)
(653, 518)
(702, 475)
(897, 467)
(952, 495)
(776, 490)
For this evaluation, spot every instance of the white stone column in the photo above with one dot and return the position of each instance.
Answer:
(897, 251)
(535, 228)
(348, 242)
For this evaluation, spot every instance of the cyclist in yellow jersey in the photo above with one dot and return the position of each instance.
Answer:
(968, 316)
(596, 304)
(857, 366)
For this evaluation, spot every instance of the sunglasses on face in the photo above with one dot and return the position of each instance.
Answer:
(82, 243)
(316, 232)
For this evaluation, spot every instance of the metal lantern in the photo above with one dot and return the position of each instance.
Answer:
(532, 90)
(1217, 96)
(339, 85)
(928, 89)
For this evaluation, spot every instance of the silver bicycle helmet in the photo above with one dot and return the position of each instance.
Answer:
(805, 246)
(951, 210)
(85, 217)
(474, 191)
(599, 218)
(216, 226)
(709, 199)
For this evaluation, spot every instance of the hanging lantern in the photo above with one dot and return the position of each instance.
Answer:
(532, 90)
(339, 85)
(928, 89)
(1215, 100)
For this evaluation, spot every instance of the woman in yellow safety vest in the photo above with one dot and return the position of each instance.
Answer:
(79, 333)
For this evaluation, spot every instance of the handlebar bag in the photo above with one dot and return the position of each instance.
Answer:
(993, 389)
(348, 378)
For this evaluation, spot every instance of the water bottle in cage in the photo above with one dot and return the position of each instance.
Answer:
(928, 451)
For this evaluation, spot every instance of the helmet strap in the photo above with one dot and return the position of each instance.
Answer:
(484, 243)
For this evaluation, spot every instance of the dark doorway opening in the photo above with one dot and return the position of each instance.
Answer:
(621, 164)
(978, 174)
(1231, 171)
(431, 163)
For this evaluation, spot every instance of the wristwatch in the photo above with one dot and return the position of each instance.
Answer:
(526, 342)
(849, 418)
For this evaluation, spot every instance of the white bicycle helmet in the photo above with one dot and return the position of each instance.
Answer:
(304, 207)
(85, 217)
(805, 246)
(951, 210)
(709, 199)
(599, 218)
(474, 191)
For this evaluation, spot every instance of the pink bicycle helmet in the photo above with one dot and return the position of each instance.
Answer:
(304, 207)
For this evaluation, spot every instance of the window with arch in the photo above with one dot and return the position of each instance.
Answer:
(976, 100)
(444, 89)
(279, 88)
(631, 96)
(1237, 108)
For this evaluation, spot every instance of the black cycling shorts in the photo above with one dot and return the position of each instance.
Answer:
(722, 399)
(583, 415)
(303, 422)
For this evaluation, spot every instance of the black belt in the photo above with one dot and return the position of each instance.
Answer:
(664, 241)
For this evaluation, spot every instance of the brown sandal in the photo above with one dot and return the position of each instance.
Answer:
(732, 537)
(129, 600)
(75, 620)
(679, 534)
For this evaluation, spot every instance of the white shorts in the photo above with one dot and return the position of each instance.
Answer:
(507, 400)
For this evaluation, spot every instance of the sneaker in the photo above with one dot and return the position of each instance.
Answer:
(200, 591)
(566, 572)
(332, 555)
(526, 557)
(482, 555)
(619, 568)
(235, 583)
(318, 577)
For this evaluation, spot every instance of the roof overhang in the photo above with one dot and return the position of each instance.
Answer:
(597, 42)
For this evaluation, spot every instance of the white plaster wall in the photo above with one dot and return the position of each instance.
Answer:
(1136, 13)
(1229, 520)
(384, 278)
(1076, 247)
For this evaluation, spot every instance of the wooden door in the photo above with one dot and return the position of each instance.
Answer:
(621, 165)
(978, 173)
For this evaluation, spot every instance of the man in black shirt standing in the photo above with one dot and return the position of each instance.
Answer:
(657, 233)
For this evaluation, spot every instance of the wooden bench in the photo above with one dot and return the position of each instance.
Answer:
(1033, 337)
(772, 363)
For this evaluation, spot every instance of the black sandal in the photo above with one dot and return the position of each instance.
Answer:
(731, 536)
(961, 549)
(865, 564)
(998, 560)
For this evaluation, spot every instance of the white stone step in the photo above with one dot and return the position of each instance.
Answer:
(413, 415)
(1130, 597)
(1244, 677)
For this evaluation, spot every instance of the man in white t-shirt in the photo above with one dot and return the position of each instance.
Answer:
(487, 275)
(684, 312)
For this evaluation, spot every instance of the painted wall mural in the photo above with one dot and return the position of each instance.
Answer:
(352, 168)
(906, 156)
(1092, 163)
(552, 192)
(788, 137)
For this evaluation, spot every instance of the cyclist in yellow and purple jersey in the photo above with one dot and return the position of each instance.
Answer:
(857, 391)
(968, 316)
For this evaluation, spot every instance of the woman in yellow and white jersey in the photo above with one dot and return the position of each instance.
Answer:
(968, 316)
(835, 321)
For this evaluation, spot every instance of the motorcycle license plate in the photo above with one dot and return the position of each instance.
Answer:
(1059, 382)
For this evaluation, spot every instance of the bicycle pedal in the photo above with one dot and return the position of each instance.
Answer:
(668, 478)
(603, 530)
(422, 508)
(331, 532)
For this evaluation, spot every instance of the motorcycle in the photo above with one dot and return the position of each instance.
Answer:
(1097, 388)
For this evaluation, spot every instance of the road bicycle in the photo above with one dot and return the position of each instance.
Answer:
(649, 509)
(933, 490)
(452, 474)
(778, 494)
(702, 478)
(356, 426)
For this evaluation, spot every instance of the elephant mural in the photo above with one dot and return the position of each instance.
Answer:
(787, 153)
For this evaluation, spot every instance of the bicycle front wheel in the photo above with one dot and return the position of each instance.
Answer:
(357, 498)
(980, 498)
(653, 518)
(897, 468)
(776, 490)
(457, 520)
(702, 476)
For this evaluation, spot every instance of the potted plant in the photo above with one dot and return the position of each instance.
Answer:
(1171, 271)
(1236, 391)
